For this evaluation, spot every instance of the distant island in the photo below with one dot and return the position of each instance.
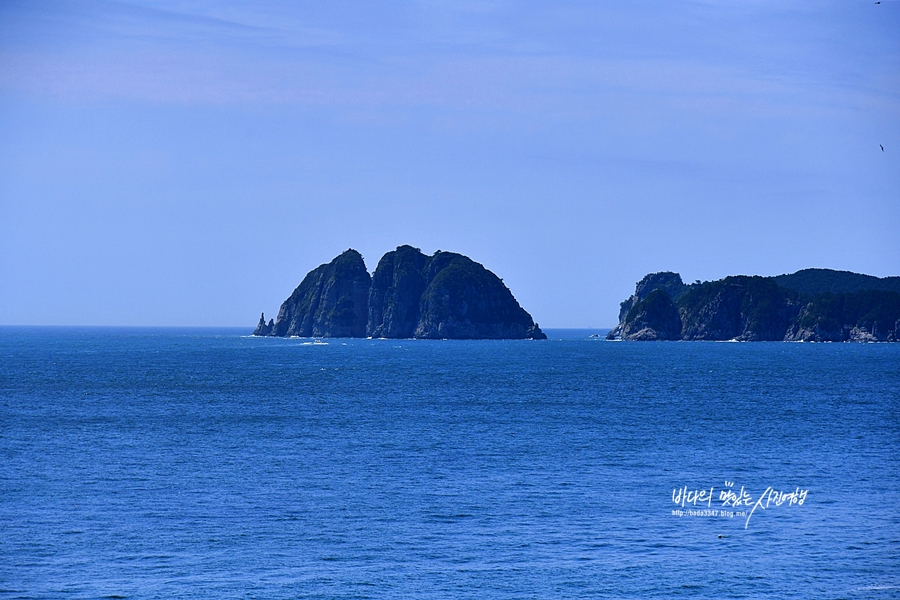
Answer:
(817, 305)
(410, 295)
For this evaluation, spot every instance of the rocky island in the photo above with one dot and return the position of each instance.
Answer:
(410, 295)
(810, 305)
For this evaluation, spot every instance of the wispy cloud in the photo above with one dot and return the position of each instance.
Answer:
(426, 54)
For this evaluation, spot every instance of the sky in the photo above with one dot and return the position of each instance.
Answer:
(187, 162)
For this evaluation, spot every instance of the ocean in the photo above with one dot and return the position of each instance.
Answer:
(203, 463)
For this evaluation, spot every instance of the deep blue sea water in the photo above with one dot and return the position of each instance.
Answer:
(177, 463)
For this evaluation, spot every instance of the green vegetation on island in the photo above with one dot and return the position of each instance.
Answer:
(410, 295)
(810, 305)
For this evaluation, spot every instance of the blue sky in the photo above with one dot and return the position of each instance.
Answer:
(187, 162)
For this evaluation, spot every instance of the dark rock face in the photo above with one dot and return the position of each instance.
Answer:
(654, 318)
(397, 287)
(820, 321)
(737, 308)
(331, 301)
(666, 281)
(760, 309)
(463, 300)
(411, 295)
(866, 316)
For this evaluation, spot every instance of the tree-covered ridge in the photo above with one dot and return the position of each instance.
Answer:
(760, 309)
(818, 281)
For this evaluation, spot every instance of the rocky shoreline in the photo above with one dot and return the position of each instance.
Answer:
(818, 305)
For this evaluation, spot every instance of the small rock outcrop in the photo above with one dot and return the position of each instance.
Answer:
(410, 295)
(763, 308)
(262, 328)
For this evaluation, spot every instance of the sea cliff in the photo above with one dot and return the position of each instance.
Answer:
(809, 305)
(410, 295)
